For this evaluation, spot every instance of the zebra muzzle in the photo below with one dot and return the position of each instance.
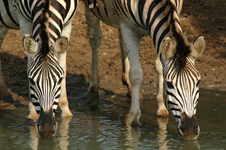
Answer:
(189, 128)
(46, 124)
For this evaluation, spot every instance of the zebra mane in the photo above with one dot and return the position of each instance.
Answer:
(182, 44)
(44, 26)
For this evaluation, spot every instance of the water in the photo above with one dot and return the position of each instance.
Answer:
(105, 128)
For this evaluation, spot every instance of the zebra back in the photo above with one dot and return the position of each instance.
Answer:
(44, 29)
(32, 12)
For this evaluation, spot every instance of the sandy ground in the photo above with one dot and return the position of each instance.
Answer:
(198, 17)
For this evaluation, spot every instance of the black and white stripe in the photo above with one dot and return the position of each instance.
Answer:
(45, 82)
(61, 13)
(8, 18)
(151, 15)
(186, 79)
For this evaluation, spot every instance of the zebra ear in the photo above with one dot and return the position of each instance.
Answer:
(198, 47)
(168, 50)
(30, 45)
(61, 45)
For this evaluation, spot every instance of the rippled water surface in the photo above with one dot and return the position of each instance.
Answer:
(105, 128)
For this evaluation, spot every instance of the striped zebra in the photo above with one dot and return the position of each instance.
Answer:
(45, 26)
(178, 79)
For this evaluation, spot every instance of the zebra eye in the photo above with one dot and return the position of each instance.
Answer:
(197, 84)
(32, 81)
(59, 82)
(169, 85)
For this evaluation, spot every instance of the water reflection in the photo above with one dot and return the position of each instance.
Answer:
(64, 129)
(34, 138)
(162, 133)
(132, 135)
(58, 142)
(188, 145)
(168, 142)
(106, 128)
(47, 144)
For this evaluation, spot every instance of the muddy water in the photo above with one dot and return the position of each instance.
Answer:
(105, 128)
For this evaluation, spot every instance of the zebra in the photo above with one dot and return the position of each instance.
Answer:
(45, 26)
(178, 79)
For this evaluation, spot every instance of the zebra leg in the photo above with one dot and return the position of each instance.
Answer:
(132, 38)
(162, 111)
(3, 89)
(162, 132)
(125, 65)
(64, 105)
(33, 115)
(26, 28)
(95, 37)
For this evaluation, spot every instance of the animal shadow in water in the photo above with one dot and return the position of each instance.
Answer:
(77, 88)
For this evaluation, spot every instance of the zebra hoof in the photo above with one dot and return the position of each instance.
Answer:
(67, 114)
(32, 116)
(133, 119)
(135, 123)
(93, 89)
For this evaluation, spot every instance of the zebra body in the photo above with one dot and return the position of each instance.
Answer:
(45, 26)
(8, 17)
(177, 77)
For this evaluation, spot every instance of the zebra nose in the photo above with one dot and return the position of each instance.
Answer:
(46, 124)
(189, 133)
(47, 130)
(189, 129)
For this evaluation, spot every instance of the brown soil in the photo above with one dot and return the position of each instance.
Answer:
(199, 17)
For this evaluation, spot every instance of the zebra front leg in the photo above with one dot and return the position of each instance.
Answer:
(63, 103)
(125, 65)
(33, 115)
(26, 30)
(95, 37)
(3, 89)
(132, 38)
(162, 111)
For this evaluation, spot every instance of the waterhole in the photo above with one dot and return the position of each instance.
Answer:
(105, 127)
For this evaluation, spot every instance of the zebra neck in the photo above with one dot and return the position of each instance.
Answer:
(60, 13)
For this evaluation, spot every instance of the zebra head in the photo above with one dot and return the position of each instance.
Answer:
(182, 82)
(45, 73)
